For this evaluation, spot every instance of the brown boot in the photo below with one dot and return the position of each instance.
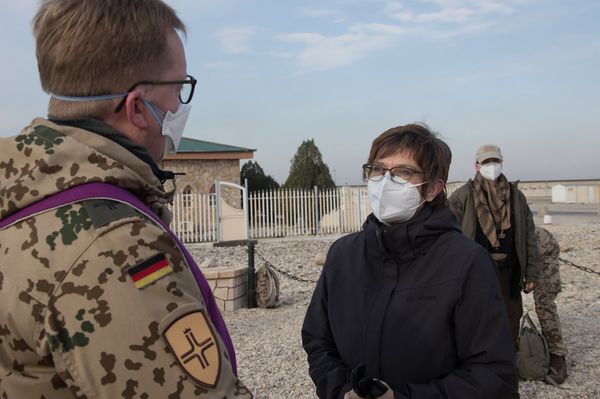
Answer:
(558, 368)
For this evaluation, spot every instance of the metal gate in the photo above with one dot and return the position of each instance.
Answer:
(232, 223)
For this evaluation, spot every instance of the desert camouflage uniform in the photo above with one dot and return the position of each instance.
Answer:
(546, 290)
(72, 323)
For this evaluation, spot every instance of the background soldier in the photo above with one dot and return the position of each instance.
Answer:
(98, 300)
(544, 295)
(495, 214)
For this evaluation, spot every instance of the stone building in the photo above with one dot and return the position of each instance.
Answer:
(204, 162)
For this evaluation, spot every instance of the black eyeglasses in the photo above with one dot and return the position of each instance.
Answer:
(186, 92)
(398, 174)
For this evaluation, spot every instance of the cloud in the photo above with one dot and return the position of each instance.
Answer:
(287, 55)
(219, 65)
(433, 19)
(317, 12)
(335, 16)
(445, 11)
(445, 34)
(457, 15)
(235, 40)
(323, 53)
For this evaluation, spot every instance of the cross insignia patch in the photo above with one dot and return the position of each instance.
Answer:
(194, 344)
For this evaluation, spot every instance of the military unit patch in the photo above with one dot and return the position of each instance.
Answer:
(194, 344)
(150, 270)
(102, 212)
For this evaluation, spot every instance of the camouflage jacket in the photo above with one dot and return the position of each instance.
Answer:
(97, 299)
(549, 284)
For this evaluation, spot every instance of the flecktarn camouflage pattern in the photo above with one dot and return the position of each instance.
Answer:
(546, 290)
(73, 321)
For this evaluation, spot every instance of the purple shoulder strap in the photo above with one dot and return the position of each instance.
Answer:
(111, 192)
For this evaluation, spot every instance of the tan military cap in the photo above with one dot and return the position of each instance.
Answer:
(488, 151)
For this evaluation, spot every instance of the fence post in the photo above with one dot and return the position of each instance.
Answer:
(340, 191)
(360, 209)
(218, 201)
(251, 276)
(316, 211)
(246, 207)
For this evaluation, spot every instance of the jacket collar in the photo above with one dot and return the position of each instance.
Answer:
(404, 242)
(99, 127)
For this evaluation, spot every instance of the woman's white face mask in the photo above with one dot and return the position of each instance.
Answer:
(393, 202)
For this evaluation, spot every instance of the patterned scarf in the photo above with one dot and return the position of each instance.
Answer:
(492, 202)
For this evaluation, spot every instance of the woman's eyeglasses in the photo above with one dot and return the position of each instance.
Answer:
(398, 174)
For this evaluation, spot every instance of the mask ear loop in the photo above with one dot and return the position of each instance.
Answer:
(151, 108)
(89, 98)
(424, 199)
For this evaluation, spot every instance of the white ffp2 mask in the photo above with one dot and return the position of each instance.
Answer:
(393, 202)
(491, 170)
(172, 125)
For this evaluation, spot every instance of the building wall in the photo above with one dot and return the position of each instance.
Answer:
(557, 191)
(546, 190)
(200, 176)
(572, 194)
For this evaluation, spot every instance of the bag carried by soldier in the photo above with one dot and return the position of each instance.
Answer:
(267, 287)
(533, 356)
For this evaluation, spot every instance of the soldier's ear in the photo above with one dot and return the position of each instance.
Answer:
(136, 111)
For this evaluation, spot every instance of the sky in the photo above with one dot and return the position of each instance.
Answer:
(522, 74)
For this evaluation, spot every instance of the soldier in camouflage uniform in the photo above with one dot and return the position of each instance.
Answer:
(97, 300)
(545, 306)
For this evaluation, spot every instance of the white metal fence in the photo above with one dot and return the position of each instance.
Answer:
(195, 217)
(278, 213)
(288, 212)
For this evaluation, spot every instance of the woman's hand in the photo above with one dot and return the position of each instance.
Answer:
(389, 394)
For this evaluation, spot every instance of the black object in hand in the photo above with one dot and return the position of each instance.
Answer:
(368, 388)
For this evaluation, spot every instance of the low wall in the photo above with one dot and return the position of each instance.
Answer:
(229, 286)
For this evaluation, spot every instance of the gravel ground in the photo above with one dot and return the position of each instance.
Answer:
(271, 360)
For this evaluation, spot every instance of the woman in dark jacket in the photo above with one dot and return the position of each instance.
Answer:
(409, 307)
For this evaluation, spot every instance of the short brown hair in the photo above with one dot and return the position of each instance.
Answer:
(92, 47)
(430, 152)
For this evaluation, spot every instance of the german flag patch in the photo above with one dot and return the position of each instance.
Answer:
(150, 270)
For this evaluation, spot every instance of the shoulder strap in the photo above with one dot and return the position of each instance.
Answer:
(68, 196)
(111, 192)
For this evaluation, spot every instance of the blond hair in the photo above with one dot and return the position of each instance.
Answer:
(93, 47)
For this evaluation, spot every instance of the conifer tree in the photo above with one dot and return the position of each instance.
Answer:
(308, 169)
(257, 180)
